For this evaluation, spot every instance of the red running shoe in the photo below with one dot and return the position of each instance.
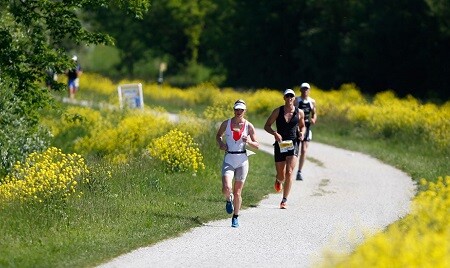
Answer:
(278, 186)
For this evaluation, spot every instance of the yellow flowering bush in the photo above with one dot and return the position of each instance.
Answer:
(337, 102)
(178, 151)
(98, 84)
(176, 96)
(221, 107)
(395, 115)
(204, 93)
(189, 122)
(50, 175)
(219, 110)
(437, 124)
(263, 101)
(83, 118)
(388, 115)
(421, 239)
(128, 136)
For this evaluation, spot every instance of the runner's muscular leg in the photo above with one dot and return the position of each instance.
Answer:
(304, 147)
(281, 170)
(237, 191)
(291, 161)
(227, 186)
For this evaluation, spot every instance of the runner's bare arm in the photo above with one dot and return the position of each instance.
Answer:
(253, 142)
(314, 114)
(301, 124)
(220, 132)
(268, 126)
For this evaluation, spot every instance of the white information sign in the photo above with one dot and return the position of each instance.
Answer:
(130, 96)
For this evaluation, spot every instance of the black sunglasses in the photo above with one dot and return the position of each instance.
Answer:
(289, 95)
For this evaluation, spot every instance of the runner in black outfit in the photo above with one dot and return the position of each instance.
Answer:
(308, 106)
(289, 122)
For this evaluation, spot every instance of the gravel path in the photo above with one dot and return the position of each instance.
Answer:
(344, 195)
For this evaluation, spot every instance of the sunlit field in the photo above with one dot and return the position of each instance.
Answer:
(115, 180)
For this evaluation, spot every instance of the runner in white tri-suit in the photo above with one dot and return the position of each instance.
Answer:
(238, 133)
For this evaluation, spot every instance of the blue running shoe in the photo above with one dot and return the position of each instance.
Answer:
(234, 222)
(229, 206)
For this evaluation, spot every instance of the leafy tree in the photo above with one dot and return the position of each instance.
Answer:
(171, 32)
(389, 46)
(440, 9)
(400, 45)
(32, 36)
(18, 135)
(253, 42)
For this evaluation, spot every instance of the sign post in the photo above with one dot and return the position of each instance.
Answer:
(162, 69)
(130, 96)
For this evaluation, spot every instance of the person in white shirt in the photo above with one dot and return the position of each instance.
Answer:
(233, 136)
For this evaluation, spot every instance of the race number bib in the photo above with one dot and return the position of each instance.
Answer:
(286, 146)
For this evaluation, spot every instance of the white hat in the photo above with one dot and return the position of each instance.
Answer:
(289, 91)
(305, 85)
(75, 58)
(240, 105)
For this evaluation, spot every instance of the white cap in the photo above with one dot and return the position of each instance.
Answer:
(305, 85)
(75, 58)
(240, 105)
(289, 91)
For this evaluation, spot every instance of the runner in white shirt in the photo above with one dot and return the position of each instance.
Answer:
(233, 136)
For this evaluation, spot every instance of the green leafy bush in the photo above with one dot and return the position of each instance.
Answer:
(20, 134)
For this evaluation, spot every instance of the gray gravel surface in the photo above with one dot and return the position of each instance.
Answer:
(345, 196)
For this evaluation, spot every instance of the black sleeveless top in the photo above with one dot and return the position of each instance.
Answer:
(307, 108)
(287, 130)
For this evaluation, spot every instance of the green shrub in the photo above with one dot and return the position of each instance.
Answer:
(20, 134)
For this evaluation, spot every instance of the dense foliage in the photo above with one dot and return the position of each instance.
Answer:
(36, 36)
(19, 135)
(379, 45)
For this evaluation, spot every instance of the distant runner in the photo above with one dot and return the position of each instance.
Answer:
(73, 78)
(308, 106)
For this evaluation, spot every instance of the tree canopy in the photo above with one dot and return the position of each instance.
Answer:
(36, 36)
(379, 45)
